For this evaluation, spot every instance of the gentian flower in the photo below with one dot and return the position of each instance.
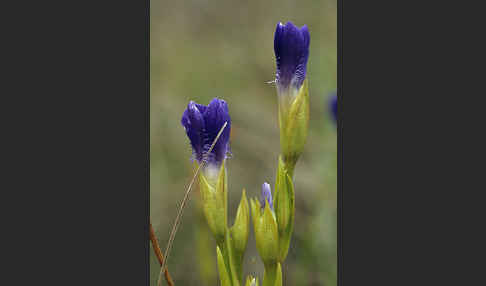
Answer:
(266, 195)
(291, 45)
(333, 106)
(202, 124)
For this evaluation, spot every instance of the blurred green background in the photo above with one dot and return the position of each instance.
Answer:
(202, 49)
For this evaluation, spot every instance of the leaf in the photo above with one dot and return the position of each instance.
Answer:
(278, 278)
(284, 209)
(223, 273)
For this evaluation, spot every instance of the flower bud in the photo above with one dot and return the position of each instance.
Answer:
(291, 45)
(266, 232)
(239, 233)
(266, 196)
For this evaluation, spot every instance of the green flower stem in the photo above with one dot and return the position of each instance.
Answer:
(238, 269)
(226, 251)
(290, 162)
(270, 274)
(231, 259)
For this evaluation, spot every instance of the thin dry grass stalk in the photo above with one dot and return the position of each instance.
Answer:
(160, 255)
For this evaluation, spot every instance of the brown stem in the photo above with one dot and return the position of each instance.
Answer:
(160, 256)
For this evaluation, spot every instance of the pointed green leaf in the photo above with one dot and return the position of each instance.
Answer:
(239, 234)
(223, 273)
(282, 199)
(284, 209)
(278, 278)
(240, 229)
(255, 213)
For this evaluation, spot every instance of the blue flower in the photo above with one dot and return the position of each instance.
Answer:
(333, 105)
(266, 195)
(291, 45)
(202, 124)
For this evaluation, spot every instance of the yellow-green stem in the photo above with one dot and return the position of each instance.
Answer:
(270, 274)
(225, 246)
(290, 162)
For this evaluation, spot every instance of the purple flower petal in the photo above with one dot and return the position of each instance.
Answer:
(193, 122)
(202, 124)
(291, 45)
(333, 106)
(266, 195)
(215, 116)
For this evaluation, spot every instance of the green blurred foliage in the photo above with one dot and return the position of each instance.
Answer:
(204, 49)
